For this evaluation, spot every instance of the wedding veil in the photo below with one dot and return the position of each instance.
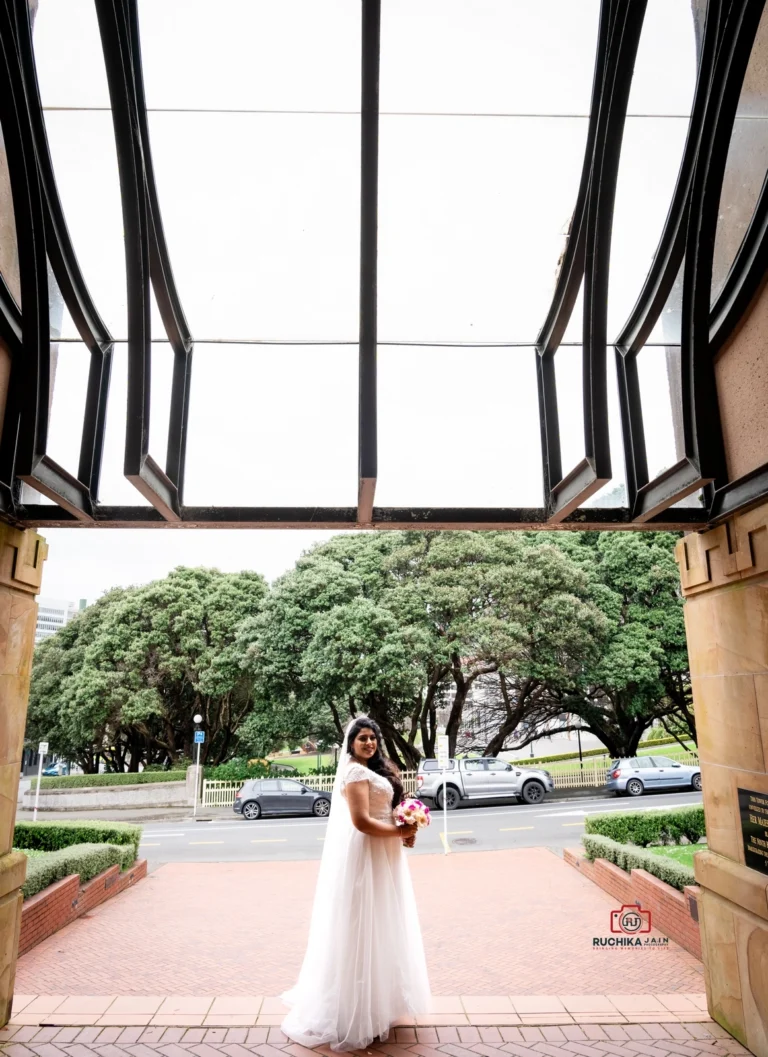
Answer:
(340, 834)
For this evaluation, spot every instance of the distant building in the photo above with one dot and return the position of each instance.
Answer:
(52, 614)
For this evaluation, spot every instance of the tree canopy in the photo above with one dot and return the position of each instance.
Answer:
(536, 630)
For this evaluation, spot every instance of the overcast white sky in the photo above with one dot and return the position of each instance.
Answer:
(484, 117)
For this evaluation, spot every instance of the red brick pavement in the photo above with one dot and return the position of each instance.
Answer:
(589, 1040)
(507, 922)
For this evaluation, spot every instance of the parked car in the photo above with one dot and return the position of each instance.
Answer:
(279, 796)
(641, 774)
(482, 778)
(56, 770)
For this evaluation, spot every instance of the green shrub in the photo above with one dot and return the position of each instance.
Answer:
(87, 860)
(649, 827)
(86, 781)
(629, 857)
(236, 771)
(241, 771)
(52, 836)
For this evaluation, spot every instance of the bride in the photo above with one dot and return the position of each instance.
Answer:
(364, 966)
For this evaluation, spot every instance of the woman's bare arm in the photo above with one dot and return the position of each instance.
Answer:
(357, 798)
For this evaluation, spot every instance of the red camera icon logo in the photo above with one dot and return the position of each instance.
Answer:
(630, 920)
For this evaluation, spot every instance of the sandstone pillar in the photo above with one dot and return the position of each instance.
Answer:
(724, 574)
(21, 564)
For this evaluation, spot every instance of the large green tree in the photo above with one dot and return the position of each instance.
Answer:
(640, 674)
(125, 678)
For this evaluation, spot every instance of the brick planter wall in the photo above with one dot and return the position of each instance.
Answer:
(673, 913)
(64, 901)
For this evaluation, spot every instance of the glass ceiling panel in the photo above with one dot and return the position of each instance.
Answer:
(494, 57)
(471, 222)
(82, 145)
(114, 489)
(614, 493)
(70, 364)
(160, 404)
(650, 160)
(570, 411)
(570, 406)
(272, 430)
(68, 54)
(252, 54)
(665, 70)
(294, 54)
(262, 218)
(658, 372)
(747, 160)
(458, 427)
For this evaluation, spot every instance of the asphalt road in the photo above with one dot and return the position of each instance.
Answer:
(556, 825)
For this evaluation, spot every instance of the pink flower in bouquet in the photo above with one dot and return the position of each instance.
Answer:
(412, 812)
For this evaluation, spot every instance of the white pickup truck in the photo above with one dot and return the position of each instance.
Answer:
(482, 778)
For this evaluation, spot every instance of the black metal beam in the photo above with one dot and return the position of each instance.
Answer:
(702, 430)
(23, 454)
(740, 495)
(625, 23)
(92, 329)
(369, 207)
(571, 272)
(115, 20)
(491, 518)
(163, 282)
(671, 248)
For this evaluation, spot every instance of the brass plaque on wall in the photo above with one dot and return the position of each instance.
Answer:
(753, 808)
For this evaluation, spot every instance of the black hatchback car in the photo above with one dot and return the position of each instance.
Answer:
(280, 796)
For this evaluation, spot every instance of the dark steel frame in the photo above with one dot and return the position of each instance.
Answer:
(688, 235)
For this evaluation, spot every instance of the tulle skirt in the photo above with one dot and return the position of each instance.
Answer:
(364, 967)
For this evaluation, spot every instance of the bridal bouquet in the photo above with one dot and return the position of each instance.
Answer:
(411, 812)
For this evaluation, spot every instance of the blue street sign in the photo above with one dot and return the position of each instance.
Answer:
(199, 737)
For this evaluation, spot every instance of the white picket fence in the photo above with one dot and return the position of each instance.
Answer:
(592, 775)
(222, 794)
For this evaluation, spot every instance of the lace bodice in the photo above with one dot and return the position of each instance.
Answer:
(379, 794)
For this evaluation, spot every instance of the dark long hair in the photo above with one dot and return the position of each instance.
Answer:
(379, 763)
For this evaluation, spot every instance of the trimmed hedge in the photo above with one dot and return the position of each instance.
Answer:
(52, 836)
(87, 860)
(86, 781)
(650, 827)
(629, 857)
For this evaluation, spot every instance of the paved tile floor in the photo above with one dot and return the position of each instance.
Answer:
(517, 922)
(588, 1040)
(447, 1010)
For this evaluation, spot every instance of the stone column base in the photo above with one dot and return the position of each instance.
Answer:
(13, 868)
(21, 565)
(733, 917)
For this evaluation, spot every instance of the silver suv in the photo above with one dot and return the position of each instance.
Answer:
(643, 774)
(482, 778)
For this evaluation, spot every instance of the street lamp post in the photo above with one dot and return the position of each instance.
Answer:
(198, 719)
(578, 735)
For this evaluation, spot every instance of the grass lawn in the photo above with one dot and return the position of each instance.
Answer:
(672, 751)
(682, 853)
(304, 763)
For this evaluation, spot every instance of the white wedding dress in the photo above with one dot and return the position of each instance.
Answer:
(364, 967)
